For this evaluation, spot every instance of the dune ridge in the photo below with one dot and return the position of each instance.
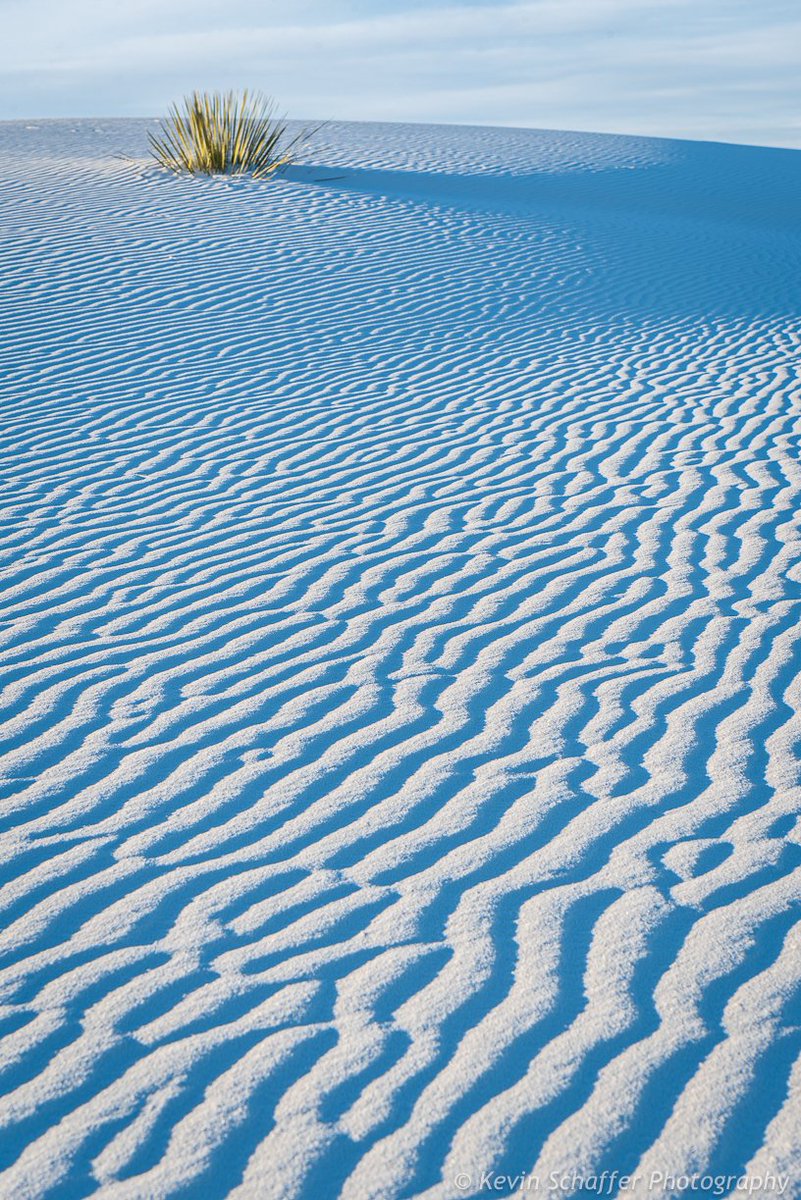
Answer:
(399, 647)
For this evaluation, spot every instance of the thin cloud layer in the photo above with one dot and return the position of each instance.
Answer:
(719, 69)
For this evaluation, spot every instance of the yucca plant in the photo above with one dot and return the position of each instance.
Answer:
(224, 133)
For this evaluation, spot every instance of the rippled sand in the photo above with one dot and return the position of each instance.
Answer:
(399, 646)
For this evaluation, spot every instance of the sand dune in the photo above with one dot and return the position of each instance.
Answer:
(399, 648)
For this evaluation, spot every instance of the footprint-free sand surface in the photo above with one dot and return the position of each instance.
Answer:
(399, 644)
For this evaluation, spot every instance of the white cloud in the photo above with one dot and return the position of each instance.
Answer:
(702, 68)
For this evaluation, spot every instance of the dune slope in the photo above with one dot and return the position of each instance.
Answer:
(399, 647)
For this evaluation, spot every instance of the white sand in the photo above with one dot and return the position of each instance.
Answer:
(399, 647)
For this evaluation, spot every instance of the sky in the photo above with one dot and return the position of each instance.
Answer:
(726, 70)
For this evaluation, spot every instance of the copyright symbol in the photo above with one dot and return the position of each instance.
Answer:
(463, 1182)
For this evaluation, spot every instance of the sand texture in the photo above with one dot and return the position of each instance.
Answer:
(399, 647)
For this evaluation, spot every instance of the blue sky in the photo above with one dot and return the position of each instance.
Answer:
(721, 69)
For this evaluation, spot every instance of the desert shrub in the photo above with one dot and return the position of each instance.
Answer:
(224, 133)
